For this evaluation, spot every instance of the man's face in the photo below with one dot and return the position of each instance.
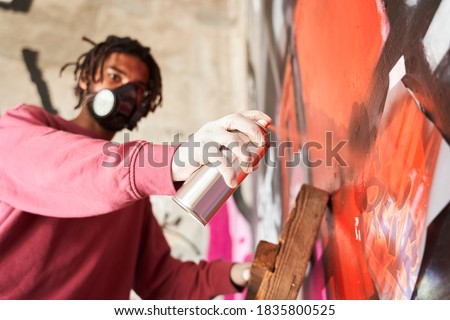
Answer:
(120, 69)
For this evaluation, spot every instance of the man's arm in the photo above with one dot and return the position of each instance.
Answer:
(52, 172)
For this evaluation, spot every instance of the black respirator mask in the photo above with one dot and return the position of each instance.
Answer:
(116, 109)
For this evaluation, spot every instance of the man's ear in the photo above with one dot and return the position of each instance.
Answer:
(82, 84)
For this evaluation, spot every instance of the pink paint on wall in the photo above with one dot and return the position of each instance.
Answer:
(230, 238)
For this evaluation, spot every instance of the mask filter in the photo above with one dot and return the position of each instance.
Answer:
(104, 103)
(117, 109)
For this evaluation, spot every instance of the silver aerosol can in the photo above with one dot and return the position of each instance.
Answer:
(205, 191)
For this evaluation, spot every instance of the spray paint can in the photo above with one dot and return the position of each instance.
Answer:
(205, 191)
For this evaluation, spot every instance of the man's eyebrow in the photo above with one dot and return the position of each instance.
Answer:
(117, 70)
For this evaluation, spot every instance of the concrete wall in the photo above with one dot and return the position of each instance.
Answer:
(198, 44)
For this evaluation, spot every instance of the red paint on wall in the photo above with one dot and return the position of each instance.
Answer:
(372, 236)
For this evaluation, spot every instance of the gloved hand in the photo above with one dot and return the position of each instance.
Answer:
(240, 273)
(233, 132)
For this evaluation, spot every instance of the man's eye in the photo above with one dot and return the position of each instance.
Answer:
(114, 77)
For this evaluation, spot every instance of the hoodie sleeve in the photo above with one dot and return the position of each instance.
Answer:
(160, 276)
(52, 172)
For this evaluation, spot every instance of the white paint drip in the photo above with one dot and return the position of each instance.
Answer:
(357, 229)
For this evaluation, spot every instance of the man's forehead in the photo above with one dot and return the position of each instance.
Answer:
(127, 65)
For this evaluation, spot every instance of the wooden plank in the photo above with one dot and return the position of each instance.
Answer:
(265, 256)
(284, 279)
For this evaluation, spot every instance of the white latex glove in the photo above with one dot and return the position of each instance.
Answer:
(240, 273)
(232, 132)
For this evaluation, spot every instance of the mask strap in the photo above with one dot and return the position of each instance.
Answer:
(88, 98)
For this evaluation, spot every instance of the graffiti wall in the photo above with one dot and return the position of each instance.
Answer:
(364, 102)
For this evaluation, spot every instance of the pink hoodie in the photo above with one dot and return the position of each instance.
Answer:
(76, 221)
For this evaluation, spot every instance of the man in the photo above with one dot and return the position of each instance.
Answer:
(73, 226)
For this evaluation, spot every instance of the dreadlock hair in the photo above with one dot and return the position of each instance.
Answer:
(88, 63)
